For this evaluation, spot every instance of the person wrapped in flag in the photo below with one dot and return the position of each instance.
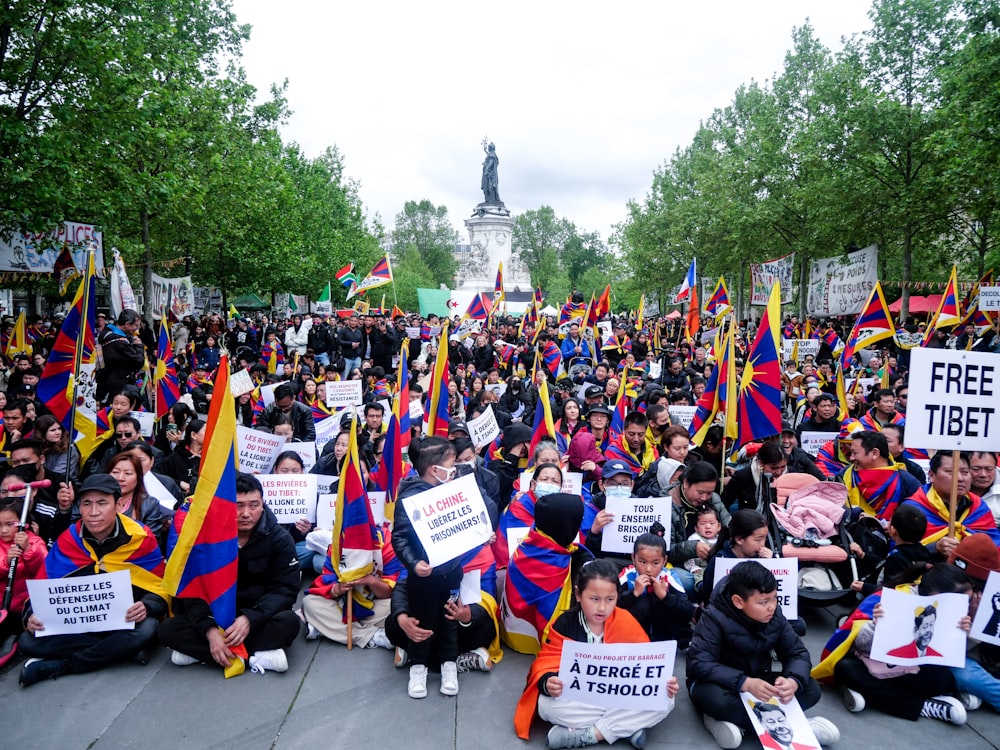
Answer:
(102, 541)
(631, 447)
(272, 353)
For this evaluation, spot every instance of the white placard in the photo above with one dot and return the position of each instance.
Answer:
(865, 386)
(240, 382)
(986, 626)
(82, 604)
(989, 297)
(655, 369)
(416, 410)
(326, 430)
(954, 397)
(805, 348)
(267, 394)
(376, 501)
(785, 571)
(326, 483)
(908, 634)
(515, 535)
(484, 429)
(257, 450)
(306, 451)
(449, 519)
(811, 442)
(343, 393)
(469, 591)
(290, 496)
(780, 725)
(326, 508)
(146, 420)
(413, 332)
(155, 488)
(572, 483)
(682, 415)
(632, 517)
(618, 675)
(497, 388)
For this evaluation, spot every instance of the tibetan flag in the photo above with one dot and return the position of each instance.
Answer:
(690, 280)
(873, 324)
(543, 427)
(64, 269)
(714, 400)
(387, 476)
(718, 304)
(346, 275)
(355, 538)
(840, 643)
(603, 306)
(538, 297)
(617, 426)
(571, 310)
(18, 343)
(552, 358)
(498, 292)
(380, 276)
(437, 396)
(642, 309)
(479, 307)
(693, 320)
(401, 406)
(203, 562)
(948, 313)
(758, 403)
(167, 386)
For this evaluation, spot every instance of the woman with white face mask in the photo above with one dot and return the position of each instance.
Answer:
(615, 483)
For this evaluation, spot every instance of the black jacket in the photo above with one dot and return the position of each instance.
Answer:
(303, 424)
(666, 619)
(728, 646)
(267, 578)
(408, 548)
(347, 336)
(123, 358)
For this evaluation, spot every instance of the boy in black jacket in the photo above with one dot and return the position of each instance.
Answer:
(645, 589)
(730, 654)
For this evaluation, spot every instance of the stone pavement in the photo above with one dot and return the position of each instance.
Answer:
(330, 698)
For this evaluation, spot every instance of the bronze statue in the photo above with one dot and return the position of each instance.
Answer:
(489, 182)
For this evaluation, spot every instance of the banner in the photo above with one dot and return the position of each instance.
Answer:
(82, 604)
(122, 296)
(765, 275)
(632, 517)
(176, 296)
(841, 285)
(618, 675)
(484, 429)
(290, 496)
(784, 569)
(256, 450)
(36, 252)
(449, 519)
(207, 299)
(986, 626)
(343, 393)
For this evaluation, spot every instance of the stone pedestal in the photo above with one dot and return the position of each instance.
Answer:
(490, 230)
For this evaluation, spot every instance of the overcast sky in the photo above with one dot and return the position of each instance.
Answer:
(583, 100)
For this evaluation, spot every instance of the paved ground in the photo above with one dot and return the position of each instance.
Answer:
(330, 698)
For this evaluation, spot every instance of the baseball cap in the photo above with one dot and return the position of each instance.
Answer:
(457, 426)
(103, 483)
(593, 391)
(599, 409)
(613, 468)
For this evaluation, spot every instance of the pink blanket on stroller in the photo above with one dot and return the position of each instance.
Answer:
(817, 506)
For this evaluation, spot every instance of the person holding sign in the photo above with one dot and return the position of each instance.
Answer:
(429, 588)
(594, 618)
(972, 515)
(103, 541)
(731, 653)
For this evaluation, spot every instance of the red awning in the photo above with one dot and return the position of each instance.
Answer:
(918, 305)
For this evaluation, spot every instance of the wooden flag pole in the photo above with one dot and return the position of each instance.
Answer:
(349, 604)
(953, 503)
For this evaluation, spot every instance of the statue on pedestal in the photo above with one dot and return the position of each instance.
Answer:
(490, 181)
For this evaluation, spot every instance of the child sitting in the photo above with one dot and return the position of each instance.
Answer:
(707, 526)
(593, 619)
(906, 529)
(654, 598)
(745, 538)
(731, 652)
(29, 549)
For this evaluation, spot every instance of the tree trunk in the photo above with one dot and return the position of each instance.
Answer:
(147, 272)
(803, 285)
(904, 309)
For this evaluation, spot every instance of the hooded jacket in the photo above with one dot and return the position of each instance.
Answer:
(405, 542)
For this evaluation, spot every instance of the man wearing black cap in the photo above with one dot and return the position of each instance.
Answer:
(592, 395)
(104, 541)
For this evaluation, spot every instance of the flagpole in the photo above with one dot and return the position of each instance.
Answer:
(81, 338)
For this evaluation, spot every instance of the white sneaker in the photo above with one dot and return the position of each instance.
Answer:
(379, 640)
(726, 734)
(944, 708)
(853, 700)
(311, 632)
(181, 659)
(970, 701)
(825, 730)
(400, 659)
(273, 660)
(417, 688)
(449, 678)
(474, 661)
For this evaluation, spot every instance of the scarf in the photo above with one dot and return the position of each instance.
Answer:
(876, 491)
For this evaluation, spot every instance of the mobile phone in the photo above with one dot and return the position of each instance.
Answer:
(453, 596)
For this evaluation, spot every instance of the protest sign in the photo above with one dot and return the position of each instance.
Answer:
(989, 297)
(413, 332)
(779, 725)
(864, 387)
(82, 604)
(306, 451)
(155, 488)
(986, 626)
(498, 388)
(326, 505)
(449, 519)
(763, 277)
(326, 430)
(290, 496)
(655, 370)
(801, 348)
(785, 571)
(469, 591)
(682, 415)
(813, 441)
(146, 420)
(953, 400)
(343, 393)
(257, 450)
(416, 410)
(240, 382)
(841, 285)
(572, 483)
(917, 629)
(267, 394)
(484, 429)
(632, 517)
(618, 675)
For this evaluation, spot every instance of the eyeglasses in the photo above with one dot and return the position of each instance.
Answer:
(124, 434)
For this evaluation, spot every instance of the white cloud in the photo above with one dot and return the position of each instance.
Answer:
(583, 101)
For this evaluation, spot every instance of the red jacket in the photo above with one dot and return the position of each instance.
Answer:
(31, 565)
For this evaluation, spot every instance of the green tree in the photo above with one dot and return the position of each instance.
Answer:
(410, 273)
(427, 228)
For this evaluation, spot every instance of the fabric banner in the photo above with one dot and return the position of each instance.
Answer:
(765, 275)
(175, 295)
(36, 252)
(841, 285)
(122, 296)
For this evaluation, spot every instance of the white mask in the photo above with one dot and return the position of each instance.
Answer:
(546, 488)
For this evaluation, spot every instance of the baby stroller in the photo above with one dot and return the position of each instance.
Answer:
(579, 367)
(807, 519)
